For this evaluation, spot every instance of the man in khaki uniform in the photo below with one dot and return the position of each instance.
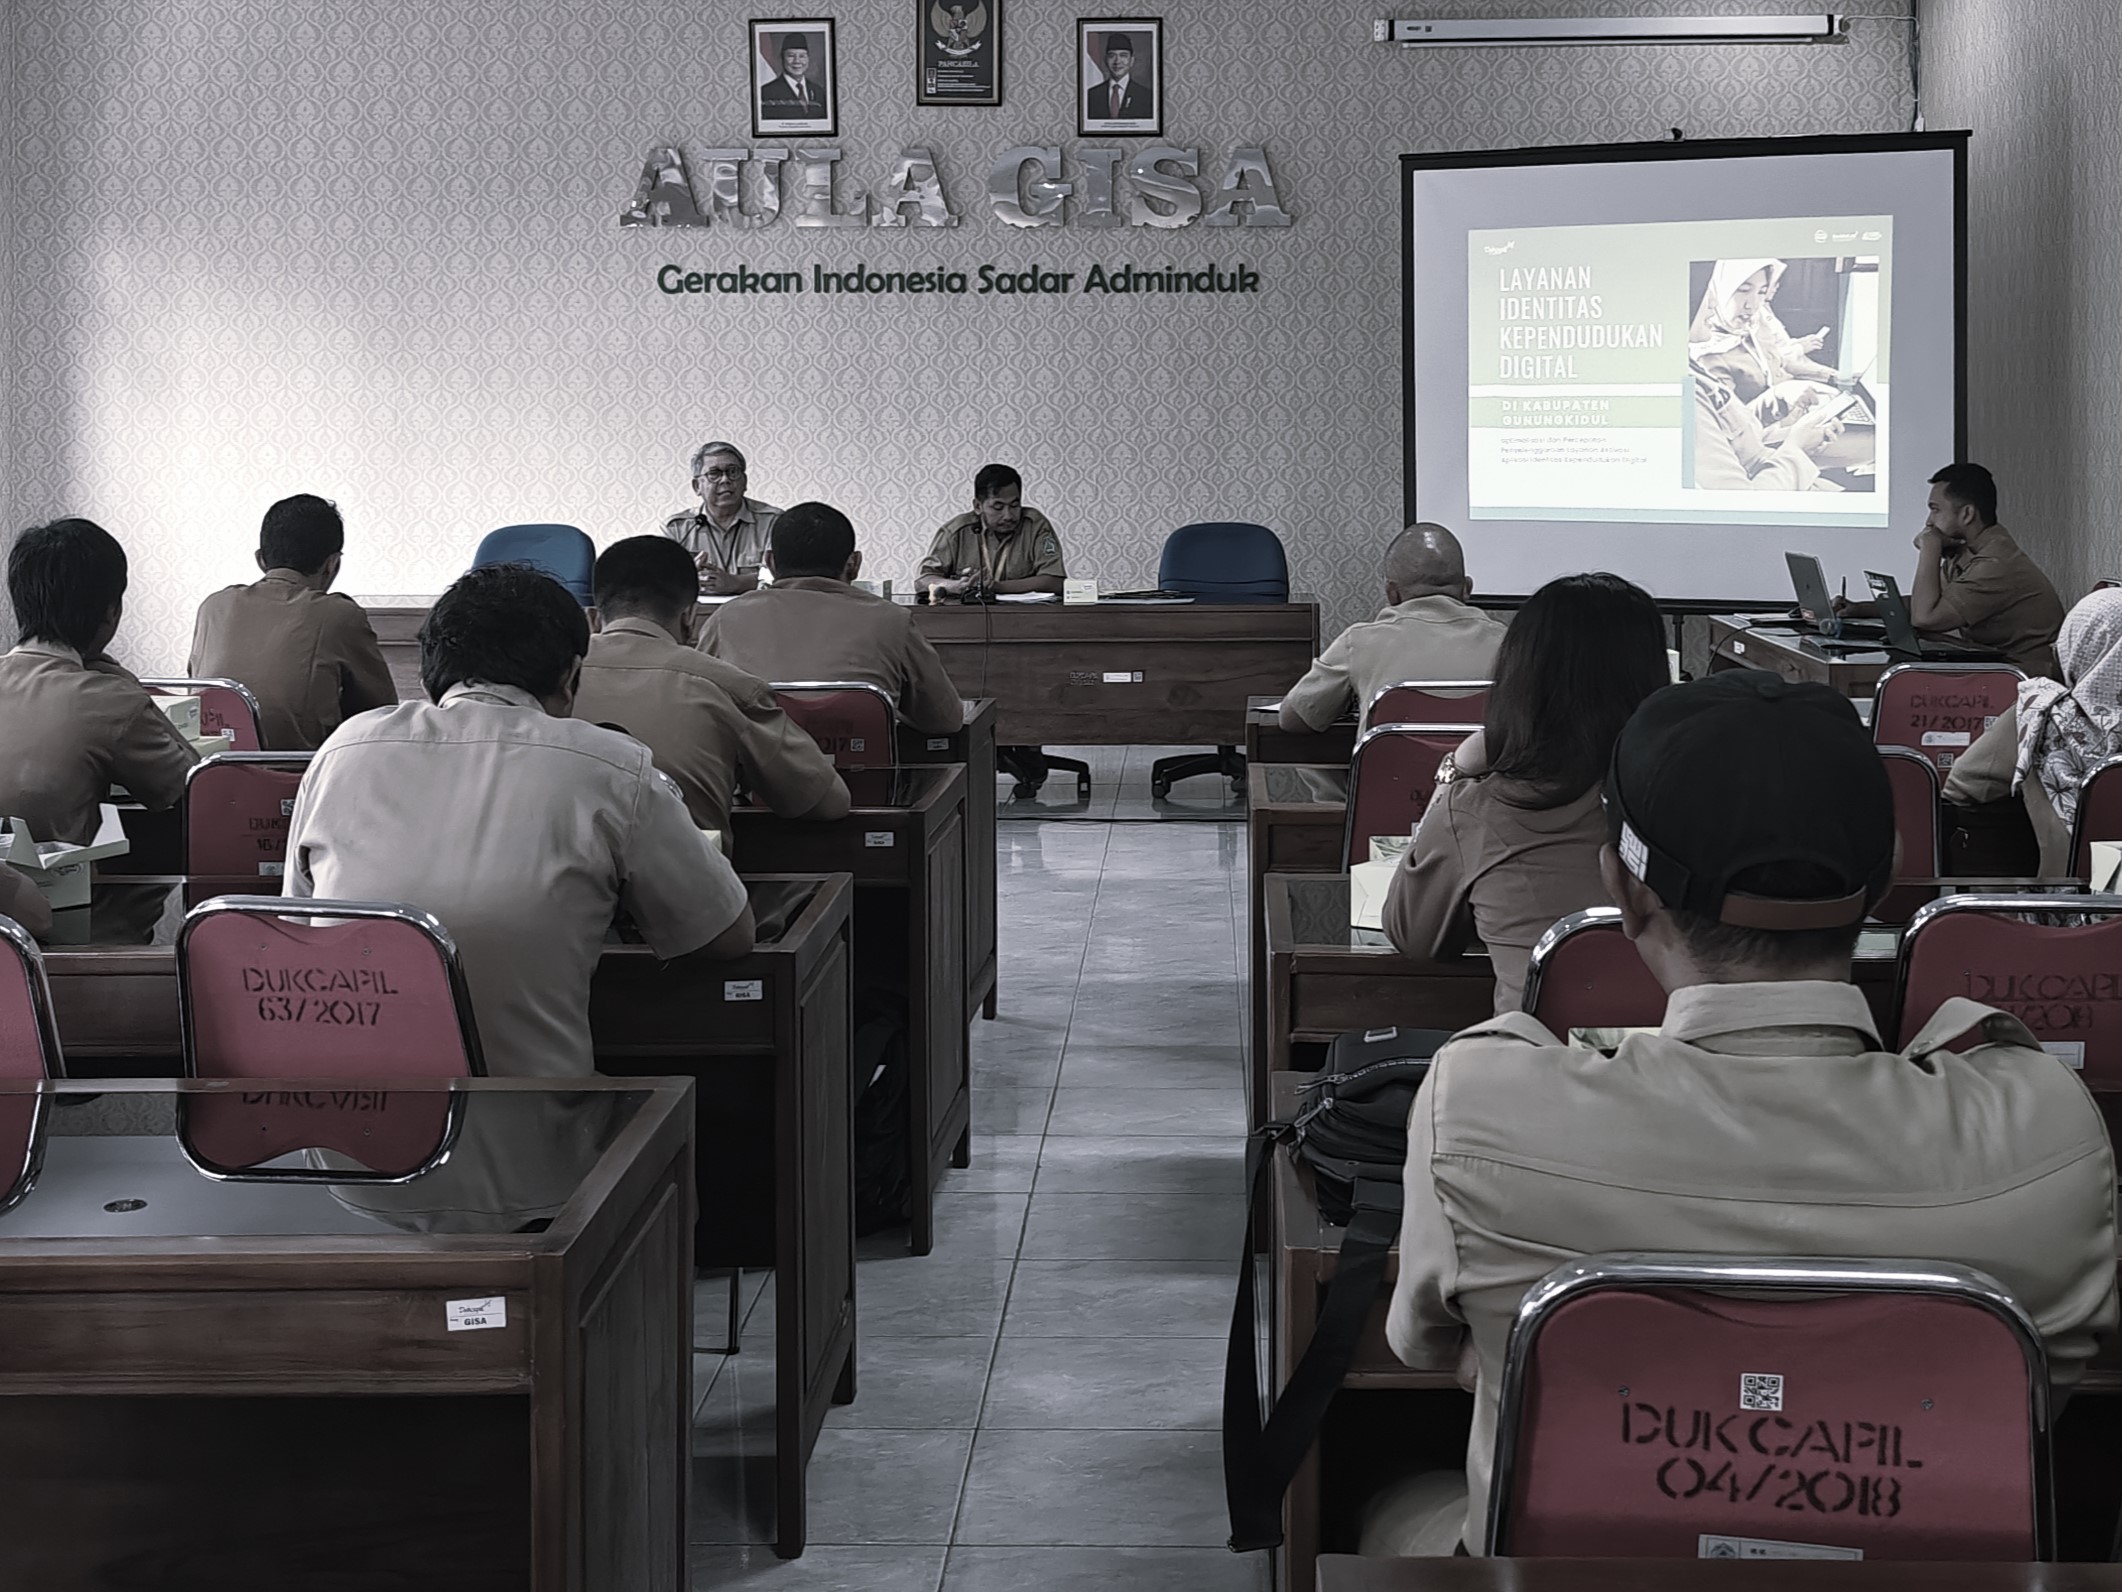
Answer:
(727, 534)
(306, 652)
(1972, 577)
(812, 624)
(1427, 631)
(705, 722)
(72, 722)
(1001, 547)
(1752, 829)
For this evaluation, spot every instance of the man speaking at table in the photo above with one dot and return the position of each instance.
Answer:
(1000, 549)
(729, 532)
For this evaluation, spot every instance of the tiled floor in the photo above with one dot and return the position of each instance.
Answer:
(1040, 1397)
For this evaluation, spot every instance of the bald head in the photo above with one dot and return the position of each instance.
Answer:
(1425, 561)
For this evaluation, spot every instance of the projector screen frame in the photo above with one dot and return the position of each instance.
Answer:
(1952, 142)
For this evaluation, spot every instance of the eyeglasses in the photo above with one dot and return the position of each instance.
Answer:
(729, 473)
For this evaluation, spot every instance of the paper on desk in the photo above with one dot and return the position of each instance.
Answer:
(61, 872)
(2107, 864)
(1027, 597)
(1370, 882)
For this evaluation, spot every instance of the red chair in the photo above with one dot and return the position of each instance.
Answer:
(29, 1052)
(1390, 779)
(1913, 779)
(1585, 973)
(224, 705)
(237, 808)
(336, 994)
(1426, 702)
(1652, 1402)
(2099, 815)
(1937, 709)
(853, 722)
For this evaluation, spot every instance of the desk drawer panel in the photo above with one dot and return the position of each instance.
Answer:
(1325, 1004)
(315, 1341)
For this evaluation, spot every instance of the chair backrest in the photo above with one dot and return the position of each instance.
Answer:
(564, 552)
(341, 991)
(1390, 780)
(853, 722)
(237, 808)
(1913, 779)
(1225, 561)
(1937, 709)
(1584, 973)
(1429, 702)
(1651, 1403)
(2099, 815)
(225, 706)
(29, 1034)
(2049, 960)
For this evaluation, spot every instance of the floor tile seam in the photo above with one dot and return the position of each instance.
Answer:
(987, 1384)
(1068, 1024)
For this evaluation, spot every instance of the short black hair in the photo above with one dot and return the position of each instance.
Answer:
(300, 533)
(64, 578)
(1715, 944)
(506, 624)
(646, 575)
(1578, 659)
(813, 539)
(1972, 485)
(992, 479)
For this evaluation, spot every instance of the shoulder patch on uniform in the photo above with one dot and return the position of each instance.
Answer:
(1049, 543)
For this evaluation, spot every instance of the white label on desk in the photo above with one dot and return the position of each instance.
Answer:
(1123, 677)
(272, 870)
(1079, 591)
(1948, 738)
(2071, 1052)
(877, 837)
(1738, 648)
(744, 989)
(939, 743)
(476, 1315)
(1712, 1547)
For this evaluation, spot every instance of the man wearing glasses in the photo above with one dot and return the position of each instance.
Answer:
(728, 534)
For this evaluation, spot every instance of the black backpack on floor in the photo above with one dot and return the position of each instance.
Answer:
(1351, 1132)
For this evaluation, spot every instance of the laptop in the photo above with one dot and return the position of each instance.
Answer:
(1901, 631)
(1809, 581)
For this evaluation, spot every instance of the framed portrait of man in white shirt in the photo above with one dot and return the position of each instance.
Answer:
(795, 78)
(1120, 76)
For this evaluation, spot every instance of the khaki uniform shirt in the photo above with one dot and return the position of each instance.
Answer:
(1983, 773)
(741, 545)
(69, 731)
(308, 656)
(705, 722)
(810, 628)
(1484, 867)
(1732, 454)
(1761, 1120)
(1999, 599)
(961, 547)
(1424, 638)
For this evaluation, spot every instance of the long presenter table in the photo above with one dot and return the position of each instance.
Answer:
(1117, 674)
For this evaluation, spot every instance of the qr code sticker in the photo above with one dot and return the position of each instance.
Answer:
(1759, 1392)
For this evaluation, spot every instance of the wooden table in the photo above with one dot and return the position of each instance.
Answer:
(972, 745)
(1267, 742)
(1346, 1573)
(246, 1385)
(1113, 674)
(1291, 827)
(904, 843)
(1734, 643)
(766, 1041)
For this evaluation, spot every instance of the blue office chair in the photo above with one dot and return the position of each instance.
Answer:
(1219, 561)
(562, 551)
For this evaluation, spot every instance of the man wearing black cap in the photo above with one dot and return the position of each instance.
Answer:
(1751, 832)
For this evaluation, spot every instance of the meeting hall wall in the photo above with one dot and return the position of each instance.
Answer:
(373, 251)
(2039, 85)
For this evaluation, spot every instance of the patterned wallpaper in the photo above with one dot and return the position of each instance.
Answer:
(2038, 86)
(372, 251)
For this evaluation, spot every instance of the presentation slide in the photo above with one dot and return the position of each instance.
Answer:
(1681, 368)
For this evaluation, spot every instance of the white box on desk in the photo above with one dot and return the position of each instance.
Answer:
(62, 873)
(182, 711)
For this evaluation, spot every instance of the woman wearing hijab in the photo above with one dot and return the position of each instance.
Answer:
(1724, 338)
(2044, 745)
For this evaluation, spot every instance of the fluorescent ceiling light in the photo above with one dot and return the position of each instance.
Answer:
(1414, 32)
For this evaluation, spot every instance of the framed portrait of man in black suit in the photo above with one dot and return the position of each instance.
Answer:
(795, 78)
(1120, 76)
